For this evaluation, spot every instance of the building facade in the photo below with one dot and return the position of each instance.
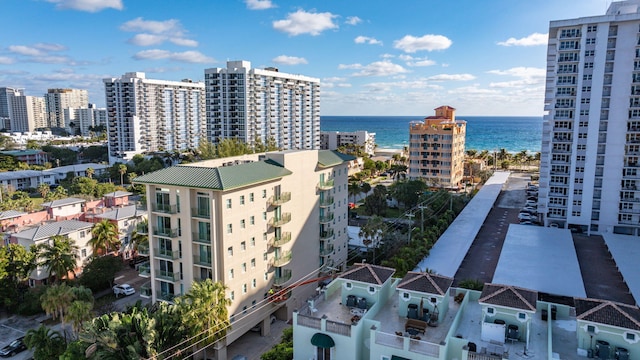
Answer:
(436, 149)
(331, 140)
(27, 113)
(59, 99)
(263, 225)
(146, 115)
(262, 104)
(83, 119)
(591, 133)
(6, 100)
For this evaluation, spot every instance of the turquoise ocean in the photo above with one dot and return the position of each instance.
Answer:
(513, 133)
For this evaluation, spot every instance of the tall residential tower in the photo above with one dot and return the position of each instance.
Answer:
(59, 99)
(251, 104)
(146, 115)
(590, 168)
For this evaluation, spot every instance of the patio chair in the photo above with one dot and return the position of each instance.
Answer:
(412, 311)
(362, 303)
(351, 301)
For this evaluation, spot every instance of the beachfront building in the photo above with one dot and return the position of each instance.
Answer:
(591, 133)
(262, 105)
(332, 140)
(59, 99)
(146, 115)
(436, 149)
(263, 225)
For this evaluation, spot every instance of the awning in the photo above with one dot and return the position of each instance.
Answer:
(394, 357)
(322, 341)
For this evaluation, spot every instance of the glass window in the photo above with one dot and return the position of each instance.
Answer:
(243, 246)
(228, 203)
(229, 228)
(230, 251)
(253, 263)
(250, 197)
(241, 199)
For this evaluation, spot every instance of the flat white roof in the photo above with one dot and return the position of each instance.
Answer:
(540, 258)
(447, 254)
(625, 250)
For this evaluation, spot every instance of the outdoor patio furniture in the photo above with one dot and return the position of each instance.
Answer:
(412, 311)
(351, 301)
(362, 303)
(513, 333)
(415, 324)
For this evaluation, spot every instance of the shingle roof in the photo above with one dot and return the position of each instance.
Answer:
(124, 212)
(57, 228)
(63, 202)
(372, 274)
(219, 178)
(10, 214)
(426, 283)
(328, 158)
(608, 313)
(509, 296)
(20, 174)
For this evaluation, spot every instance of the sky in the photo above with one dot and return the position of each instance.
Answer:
(373, 57)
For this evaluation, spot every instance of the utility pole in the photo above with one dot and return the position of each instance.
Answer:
(422, 218)
(410, 216)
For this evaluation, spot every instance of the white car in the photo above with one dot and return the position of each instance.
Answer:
(123, 289)
(524, 216)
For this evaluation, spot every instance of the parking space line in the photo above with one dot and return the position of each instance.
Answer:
(14, 329)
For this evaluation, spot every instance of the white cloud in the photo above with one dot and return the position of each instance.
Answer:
(259, 4)
(161, 69)
(534, 39)
(452, 77)
(40, 53)
(87, 5)
(302, 22)
(343, 85)
(289, 60)
(49, 47)
(416, 62)
(367, 40)
(25, 50)
(391, 85)
(156, 32)
(147, 39)
(521, 72)
(378, 68)
(411, 44)
(353, 20)
(5, 60)
(334, 79)
(183, 42)
(186, 56)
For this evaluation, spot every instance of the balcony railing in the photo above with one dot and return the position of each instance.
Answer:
(279, 200)
(143, 249)
(278, 241)
(166, 254)
(166, 232)
(326, 185)
(327, 250)
(281, 220)
(201, 213)
(285, 275)
(282, 260)
(327, 201)
(145, 290)
(202, 261)
(165, 208)
(201, 238)
(327, 234)
(167, 275)
(142, 228)
(144, 270)
(165, 296)
(327, 217)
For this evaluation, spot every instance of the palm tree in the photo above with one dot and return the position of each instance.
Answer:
(48, 344)
(78, 313)
(105, 237)
(205, 311)
(371, 233)
(122, 169)
(56, 300)
(90, 172)
(365, 187)
(59, 256)
(353, 189)
(44, 189)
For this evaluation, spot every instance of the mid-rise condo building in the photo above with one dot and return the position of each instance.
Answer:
(262, 104)
(27, 113)
(332, 140)
(59, 99)
(6, 98)
(81, 120)
(436, 149)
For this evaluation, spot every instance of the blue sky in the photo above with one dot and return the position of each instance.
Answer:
(373, 57)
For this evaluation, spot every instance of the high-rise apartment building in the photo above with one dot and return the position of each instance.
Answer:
(436, 149)
(146, 115)
(83, 119)
(264, 225)
(6, 96)
(59, 99)
(27, 113)
(589, 169)
(251, 104)
(332, 140)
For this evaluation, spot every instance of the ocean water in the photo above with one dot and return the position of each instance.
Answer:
(483, 132)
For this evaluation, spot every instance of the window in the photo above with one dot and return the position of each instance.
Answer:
(264, 194)
(82, 234)
(630, 336)
(228, 203)
(264, 256)
(243, 246)
(252, 220)
(244, 309)
(84, 253)
(591, 329)
(266, 277)
(244, 288)
(230, 251)
(522, 316)
(591, 41)
(232, 296)
(230, 274)
(253, 241)
(406, 295)
(490, 310)
(588, 65)
(251, 197)
(229, 228)
(244, 267)
(253, 263)
(264, 215)
(241, 199)
(242, 224)
(254, 283)
(348, 285)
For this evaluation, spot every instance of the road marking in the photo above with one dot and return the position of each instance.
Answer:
(119, 277)
(14, 329)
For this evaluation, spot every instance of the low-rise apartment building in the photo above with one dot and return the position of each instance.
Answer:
(332, 140)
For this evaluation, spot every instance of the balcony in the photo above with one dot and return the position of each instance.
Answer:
(326, 235)
(326, 201)
(145, 290)
(165, 296)
(201, 238)
(142, 228)
(143, 249)
(165, 208)
(280, 220)
(167, 275)
(166, 254)
(202, 260)
(144, 270)
(285, 275)
(327, 217)
(201, 213)
(284, 238)
(282, 260)
(280, 199)
(326, 251)
(166, 232)
(326, 185)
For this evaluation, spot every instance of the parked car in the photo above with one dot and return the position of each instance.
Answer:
(524, 216)
(123, 289)
(13, 348)
(553, 225)
(529, 210)
(526, 222)
(531, 203)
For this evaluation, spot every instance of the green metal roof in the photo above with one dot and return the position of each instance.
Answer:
(218, 178)
(328, 158)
